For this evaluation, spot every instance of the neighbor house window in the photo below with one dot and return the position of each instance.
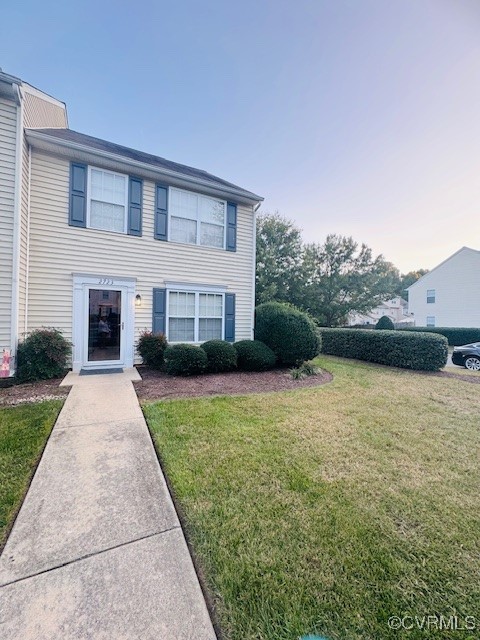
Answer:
(107, 200)
(430, 295)
(194, 316)
(430, 321)
(197, 219)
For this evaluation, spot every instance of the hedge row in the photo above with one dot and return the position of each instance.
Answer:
(455, 335)
(421, 351)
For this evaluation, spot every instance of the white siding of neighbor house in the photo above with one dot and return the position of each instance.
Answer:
(8, 131)
(57, 250)
(457, 292)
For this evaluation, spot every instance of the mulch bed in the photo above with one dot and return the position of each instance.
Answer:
(32, 392)
(156, 385)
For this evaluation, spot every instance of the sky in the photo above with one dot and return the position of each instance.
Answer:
(356, 117)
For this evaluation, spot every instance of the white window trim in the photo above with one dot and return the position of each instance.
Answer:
(198, 221)
(197, 291)
(89, 198)
(434, 296)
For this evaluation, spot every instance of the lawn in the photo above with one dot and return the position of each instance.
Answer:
(329, 510)
(23, 433)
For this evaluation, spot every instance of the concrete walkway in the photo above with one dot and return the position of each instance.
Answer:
(97, 550)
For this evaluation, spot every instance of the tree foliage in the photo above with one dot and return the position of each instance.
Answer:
(342, 277)
(328, 280)
(407, 279)
(279, 259)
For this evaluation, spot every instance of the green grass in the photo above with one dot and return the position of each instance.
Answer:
(329, 510)
(23, 433)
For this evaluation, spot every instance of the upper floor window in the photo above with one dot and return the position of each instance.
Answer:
(107, 200)
(197, 219)
(430, 321)
(430, 295)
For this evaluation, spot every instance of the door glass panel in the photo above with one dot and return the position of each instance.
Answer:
(104, 324)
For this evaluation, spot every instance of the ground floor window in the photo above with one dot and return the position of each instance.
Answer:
(195, 316)
(430, 321)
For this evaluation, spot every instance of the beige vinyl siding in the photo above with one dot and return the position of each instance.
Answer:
(57, 250)
(22, 276)
(39, 112)
(8, 129)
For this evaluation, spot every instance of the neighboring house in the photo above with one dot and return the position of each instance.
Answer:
(449, 294)
(396, 309)
(94, 233)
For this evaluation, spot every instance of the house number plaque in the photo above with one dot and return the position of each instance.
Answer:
(106, 281)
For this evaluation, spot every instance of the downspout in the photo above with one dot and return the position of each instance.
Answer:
(16, 232)
(27, 266)
(254, 260)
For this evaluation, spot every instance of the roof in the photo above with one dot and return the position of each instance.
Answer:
(74, 138)
(441, 264)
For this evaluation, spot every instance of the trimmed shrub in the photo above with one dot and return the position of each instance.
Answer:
(456, 336)
(421, 351)
(221, 355)
(253, 355)
(151, 346)
(385, 323)
(290, 333)
(185, 360)
(42, 355)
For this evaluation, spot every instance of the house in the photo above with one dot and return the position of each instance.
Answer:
(93, 232)
(449, 294)
(396, 309)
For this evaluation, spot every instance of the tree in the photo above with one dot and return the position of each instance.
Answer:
(343, 277)
(407, 279)
(279, 259)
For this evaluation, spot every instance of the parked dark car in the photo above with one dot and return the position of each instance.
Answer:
(467, 356)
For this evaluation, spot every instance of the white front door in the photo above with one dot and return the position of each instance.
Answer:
(103, 322)
(104, 326)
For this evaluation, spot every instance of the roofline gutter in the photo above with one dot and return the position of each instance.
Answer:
(248, 197)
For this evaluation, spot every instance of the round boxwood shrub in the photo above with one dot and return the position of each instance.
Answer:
(253, 355)
(221, 355)
(151, 346)
(290, 333)
(42, 355)
(385, 323)
(185, 360)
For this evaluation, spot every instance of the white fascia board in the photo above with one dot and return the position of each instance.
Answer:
(47, 143)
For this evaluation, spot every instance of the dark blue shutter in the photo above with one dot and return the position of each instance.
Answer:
(161, 212)
(135, 189)
(77, 215)
(230, 317)
(231, 226)
(159, 310)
